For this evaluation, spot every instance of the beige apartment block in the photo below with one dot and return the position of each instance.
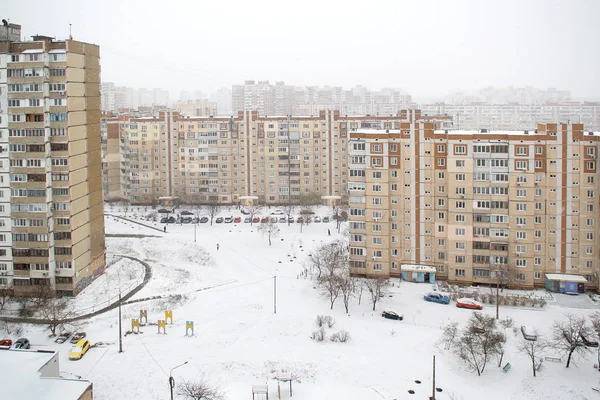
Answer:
(472, 203)
(202, 158)
(55, 224)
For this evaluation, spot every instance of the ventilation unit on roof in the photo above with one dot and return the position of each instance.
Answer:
(484, 131)
(591, 133)
(526, 132)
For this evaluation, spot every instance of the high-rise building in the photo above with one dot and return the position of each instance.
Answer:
(51, 210)
(108, 96)
(196, 108)
(472, 204)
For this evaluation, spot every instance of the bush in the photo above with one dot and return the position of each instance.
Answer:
(318, 335)
(542, 302)
(330, 321)
(341, 336)
(323, 320)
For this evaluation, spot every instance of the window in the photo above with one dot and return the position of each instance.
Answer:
(460, 163)
(460, 177)
(460, 149)
(459, 272)
(521, 276)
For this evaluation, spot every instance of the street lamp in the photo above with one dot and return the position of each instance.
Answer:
(172, 380)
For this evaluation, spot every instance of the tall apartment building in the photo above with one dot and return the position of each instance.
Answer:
(196, 108)
(51, 211)
(515, 116)
(473, 202)
(108, 96)
(274, 158)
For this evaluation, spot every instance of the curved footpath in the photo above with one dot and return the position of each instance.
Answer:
(40, 321)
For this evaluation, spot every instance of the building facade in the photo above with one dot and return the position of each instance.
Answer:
(51, 208)
(196, 108)
(275, 158)
(474, 204)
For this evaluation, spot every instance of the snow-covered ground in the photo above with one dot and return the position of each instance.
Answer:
(239, 341)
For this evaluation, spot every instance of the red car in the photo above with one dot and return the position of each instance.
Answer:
(237, 220)
(255, 219)
(5, 342)
(469, 303)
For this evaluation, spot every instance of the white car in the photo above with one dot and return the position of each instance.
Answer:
(317, 219)
(278, 212)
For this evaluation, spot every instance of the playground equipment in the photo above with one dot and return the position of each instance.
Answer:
(189, 326)
(162, 324)
(144, 315)
(169, 314)
(260, 391)
(135, 325)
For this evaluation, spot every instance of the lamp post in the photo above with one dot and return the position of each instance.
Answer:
(172, 380)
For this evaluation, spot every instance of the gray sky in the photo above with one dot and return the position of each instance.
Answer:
(427, 47)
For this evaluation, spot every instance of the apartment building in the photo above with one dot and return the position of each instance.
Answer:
(51, 211)
(475, 203)
(274, 158)
(196, 108)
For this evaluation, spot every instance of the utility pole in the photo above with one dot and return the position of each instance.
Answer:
(433, 388)
(120, 331)
(172, 380)
(275, 293)
(195, 232)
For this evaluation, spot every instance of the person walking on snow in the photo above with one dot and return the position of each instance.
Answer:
(165, 229)
(328, 232)
(218, 246)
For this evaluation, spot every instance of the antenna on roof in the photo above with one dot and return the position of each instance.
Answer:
(70, 35)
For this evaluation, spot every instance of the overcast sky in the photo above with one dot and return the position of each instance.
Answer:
(427, 47)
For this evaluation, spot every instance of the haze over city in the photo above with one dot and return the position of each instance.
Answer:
(428, 48)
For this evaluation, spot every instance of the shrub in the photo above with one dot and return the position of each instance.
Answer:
(318, 335)
(341, 336)
(321, 320)
(330, 321)
(542, 302)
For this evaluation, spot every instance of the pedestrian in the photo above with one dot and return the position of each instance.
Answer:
(165, 229)
(328, 232)
(218, 246)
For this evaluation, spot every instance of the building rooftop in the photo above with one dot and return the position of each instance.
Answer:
(497, 132)
(566, 278)
(22, 378)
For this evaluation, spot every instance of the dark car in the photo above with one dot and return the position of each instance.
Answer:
(300, 220)
(77, 337)
(164, 220)
(325, 219)
(264, 220)
(203, 220)
(291, 219)
(389, 314)
(187, 213)
(247, 220)
(228, 220)
(179, 220)
(437, 297)
(164, 211)
(195, 220)
(21, 344)
(63, 337)
(283, 219)
(219, 220)
(171, 220)
(187, 220)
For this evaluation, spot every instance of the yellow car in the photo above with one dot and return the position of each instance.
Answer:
(79, 350)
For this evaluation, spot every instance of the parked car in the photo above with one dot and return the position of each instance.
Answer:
(164, 211)
(77, 337)
(164, 220)
(203, 220)
(278, 212)
(195, 220)
(469, 303)
(264, 220)
(291, 219)
(219, 220)
(187, 220)
(179, 220)
(79, 350)
(63, 337)
(300, 220)
(274, 219)
(255, 220)
(244, 211)
(5, 342)
(187, 213)
(283, 219)
(237, 220)
(437, 297)
(171, 220)
(325, 219)
(22, 343)
(317, 219)
(247, 220)
(389, 314)
(228, 220)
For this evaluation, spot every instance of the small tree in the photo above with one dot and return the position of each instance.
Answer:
(331, 261)
(269, 229)
(346, 284)
(449, 334)
(200, 390)
(340, 214)
(56, 312)
(4, 296)
(213, 208)
(479, 341)
(595, 320)
(359, 288)
(533, 349)
(306, 213)
(377, 289)
(125, 204)
(567, 336)
(253, 211)
(288, 210)
(502, 275)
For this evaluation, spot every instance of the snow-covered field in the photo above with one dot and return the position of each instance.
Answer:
(239, 341)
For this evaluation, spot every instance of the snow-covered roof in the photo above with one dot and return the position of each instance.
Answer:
(520, 132)
(417, 268)
(32, 51)
(22, 378)
(566, 277)
(59, 51)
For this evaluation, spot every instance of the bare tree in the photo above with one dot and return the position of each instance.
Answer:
(331, 261)
(5, 294)
(200, 390)
(595, 320)
(449, 334)
(359, 288)
(213, 208)
(502, 275)
(56, 312)
(567, 336)
(340, 214)
(288, 209)
(125, 204)
(308, 201)
(377, 289)
(253, 211)
(306, 213)
(346, 284)
(479, 341)
(269, 229)
(533, 349)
